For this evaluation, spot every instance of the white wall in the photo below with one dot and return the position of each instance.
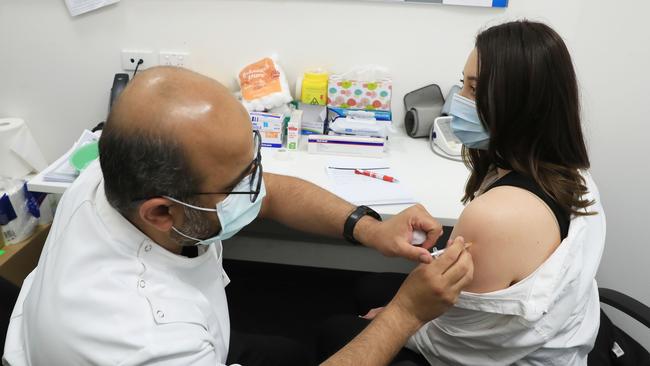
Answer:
(57, 70)
(612, 56)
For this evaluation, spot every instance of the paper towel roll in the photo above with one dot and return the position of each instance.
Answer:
(419, 120)
(19, 153)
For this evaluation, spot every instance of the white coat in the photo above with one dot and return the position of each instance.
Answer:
(104, 294)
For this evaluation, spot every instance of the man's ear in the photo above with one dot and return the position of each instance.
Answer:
(157, 212)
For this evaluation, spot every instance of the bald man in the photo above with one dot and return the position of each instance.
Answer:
(131, 272)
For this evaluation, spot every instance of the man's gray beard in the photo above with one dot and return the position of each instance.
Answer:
(195, 225)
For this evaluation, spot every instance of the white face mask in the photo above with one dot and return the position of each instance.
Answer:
(235, 212)
(466, 124)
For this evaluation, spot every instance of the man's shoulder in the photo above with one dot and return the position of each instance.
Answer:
(87, 182)
(79, 195)
(83, 188)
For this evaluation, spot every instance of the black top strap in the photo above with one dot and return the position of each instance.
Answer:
(515, 179)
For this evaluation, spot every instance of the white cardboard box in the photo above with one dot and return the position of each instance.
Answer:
(346, 145)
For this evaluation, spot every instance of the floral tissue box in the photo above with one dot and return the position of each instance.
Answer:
(355, 94)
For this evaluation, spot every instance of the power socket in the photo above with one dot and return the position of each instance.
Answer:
(130, 59)
(174, 58)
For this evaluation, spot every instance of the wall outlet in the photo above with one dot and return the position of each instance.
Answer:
(130, 59)
(174, 58)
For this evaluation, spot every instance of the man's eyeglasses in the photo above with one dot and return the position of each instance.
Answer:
(255, 169)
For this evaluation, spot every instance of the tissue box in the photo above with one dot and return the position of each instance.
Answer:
(355, 94)
(270, 127)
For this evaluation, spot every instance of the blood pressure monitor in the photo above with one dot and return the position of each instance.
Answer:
(442, 138)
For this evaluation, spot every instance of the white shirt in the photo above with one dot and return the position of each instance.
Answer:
(549, 318)
(104, 294)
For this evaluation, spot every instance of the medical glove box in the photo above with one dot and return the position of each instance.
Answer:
(270, 127)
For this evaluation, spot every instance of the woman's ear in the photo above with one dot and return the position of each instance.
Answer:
(157, 212)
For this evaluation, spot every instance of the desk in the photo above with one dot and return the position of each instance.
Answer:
(435, 182)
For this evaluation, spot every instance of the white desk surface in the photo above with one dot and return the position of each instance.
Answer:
(435, 182)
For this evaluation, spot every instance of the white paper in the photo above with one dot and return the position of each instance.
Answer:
(76, 7)
(65, 172)
(363, 190)
(26, 147)
(19, 152)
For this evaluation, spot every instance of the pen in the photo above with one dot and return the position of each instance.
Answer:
(371, 174)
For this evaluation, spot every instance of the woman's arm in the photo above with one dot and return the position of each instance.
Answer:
(513, 232)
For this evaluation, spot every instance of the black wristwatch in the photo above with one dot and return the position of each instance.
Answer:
(355, 216)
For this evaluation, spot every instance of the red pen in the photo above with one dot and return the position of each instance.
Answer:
(372, 174)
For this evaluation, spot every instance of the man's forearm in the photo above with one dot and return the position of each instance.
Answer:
(379, 343)
(305, 206)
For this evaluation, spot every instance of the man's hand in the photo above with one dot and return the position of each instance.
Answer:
(431, 289)
(392, 237)
(427, 292)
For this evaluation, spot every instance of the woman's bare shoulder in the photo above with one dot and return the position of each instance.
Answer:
(513, 232)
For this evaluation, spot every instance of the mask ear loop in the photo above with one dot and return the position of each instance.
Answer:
(187, 237)
(191, 206)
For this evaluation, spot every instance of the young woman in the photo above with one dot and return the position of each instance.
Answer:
(533, 212)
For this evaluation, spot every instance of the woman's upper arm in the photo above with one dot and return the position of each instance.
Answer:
(493, 232)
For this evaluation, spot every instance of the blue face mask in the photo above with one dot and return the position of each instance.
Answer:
(235, 212)
(466, 124)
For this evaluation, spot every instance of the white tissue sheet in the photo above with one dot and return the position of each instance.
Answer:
(19, 153)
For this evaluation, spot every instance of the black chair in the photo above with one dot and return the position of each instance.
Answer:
(614, 347)
(8, 296)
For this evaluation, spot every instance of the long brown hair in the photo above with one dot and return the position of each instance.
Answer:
(527, 98)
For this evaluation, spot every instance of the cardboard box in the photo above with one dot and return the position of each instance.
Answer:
(20, 259)
(313, 119)
(293, 130)
(270, 127)
(372, 147)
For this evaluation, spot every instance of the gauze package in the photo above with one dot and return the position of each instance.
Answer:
(263, 85)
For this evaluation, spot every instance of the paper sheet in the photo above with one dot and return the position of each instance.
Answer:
(26, 147)
(19, 152)
(65, 172)
(76, 7)
(363, 190)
